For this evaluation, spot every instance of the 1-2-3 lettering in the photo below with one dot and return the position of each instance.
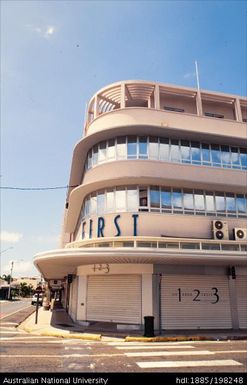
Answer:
(197, 297)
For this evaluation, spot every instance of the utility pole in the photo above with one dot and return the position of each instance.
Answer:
(10, 279)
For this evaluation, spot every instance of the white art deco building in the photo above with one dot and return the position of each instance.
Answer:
(155, 220)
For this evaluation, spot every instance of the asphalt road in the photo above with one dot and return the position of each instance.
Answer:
(8, 308)
(22, 352)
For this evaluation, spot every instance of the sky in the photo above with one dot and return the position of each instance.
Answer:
(56, 54)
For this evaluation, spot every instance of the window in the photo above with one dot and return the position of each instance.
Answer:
(95, 155)
(102, 152)
(132, 199)
(210, 246)
(195, 153)
(175, 152)
(132, 147)
(210, 202)
(205, 154)
(216, 155)
(154, 198)
(230, 203)
(166, 199)
(214, 115)
(235, 157)
(187, 245)
(174, 109)
(220, 202)
(177, 199)
(185, 151)
(143, 199)
(226, 156)
(120, 199)
(121, 147)
(111, 150)
(143, 147)
(100, 202)
(188, 200)
(89, 159)
(110, 206)
(164, 149)
(199, 201)
(153, 148)
(93, 204)
(240, 202)
(243, 158)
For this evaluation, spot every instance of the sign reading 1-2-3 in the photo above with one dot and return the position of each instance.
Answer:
(196, 295)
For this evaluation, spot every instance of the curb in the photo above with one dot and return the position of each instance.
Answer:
(165, 339)
(50, 333)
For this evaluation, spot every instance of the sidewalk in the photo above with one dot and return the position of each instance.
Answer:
(57, 323)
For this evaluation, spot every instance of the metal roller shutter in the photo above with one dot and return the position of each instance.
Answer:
(195, 302)
(242, 301)
(114, 298)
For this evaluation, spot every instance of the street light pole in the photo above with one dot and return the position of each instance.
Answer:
(10, 279)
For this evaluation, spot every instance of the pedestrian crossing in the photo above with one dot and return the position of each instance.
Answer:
(176, 355)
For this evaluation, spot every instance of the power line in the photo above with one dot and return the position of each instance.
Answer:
(36, 188)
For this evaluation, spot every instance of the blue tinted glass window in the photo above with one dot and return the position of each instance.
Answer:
(216, 155)
(225, 156)
(132, 147)
(188, 200)
(195, 152)
(205, 154)
(230, 202)
(220, 202)
(235, 157)
(243, 157)
(166, 198)
(102, 152)
(164, 149)
(185, 151)
(209, 197)
(199, 200)
(143, 147)
(175, 151)
(153, 147)
(154, 197)
(177, 199)
(101, 202)
(89, 159)
(240, 202)
(95, 155)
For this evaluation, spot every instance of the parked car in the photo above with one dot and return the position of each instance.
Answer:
(35, 298)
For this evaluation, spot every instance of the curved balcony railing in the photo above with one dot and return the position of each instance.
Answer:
(128, 94)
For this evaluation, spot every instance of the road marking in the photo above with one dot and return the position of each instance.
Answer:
(180, 364)
(24, 338)
(157, 354)
(8, 323)
(153, 347)
(58, 355)
(150, 343)
(8, 315)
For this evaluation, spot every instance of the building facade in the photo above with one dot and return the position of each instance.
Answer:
(155, 220)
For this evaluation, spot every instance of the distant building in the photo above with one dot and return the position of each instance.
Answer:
(156, 214)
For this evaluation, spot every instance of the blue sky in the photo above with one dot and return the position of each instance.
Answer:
(56, 54)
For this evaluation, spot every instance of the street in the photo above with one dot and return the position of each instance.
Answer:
(22, 352)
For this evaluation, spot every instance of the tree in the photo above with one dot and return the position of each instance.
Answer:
(7, 278)
(25, 290)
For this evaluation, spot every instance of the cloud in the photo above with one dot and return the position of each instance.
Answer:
(6, 236)
(21, 268)
(45, 32)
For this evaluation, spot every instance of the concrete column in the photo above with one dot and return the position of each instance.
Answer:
(199, 103)
(122, 96)
(238, 112)
(233, 303)
(96, 107)
(157, 97)
(156, 301)
(147, 295)
(81, 298)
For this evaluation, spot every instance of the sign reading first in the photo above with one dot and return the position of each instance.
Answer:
(97, 227)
